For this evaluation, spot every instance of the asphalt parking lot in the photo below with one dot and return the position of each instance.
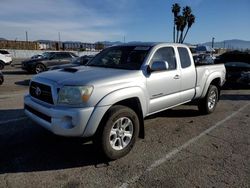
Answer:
(182, 148)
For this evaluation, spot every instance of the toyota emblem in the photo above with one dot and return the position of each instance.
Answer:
(38, 91)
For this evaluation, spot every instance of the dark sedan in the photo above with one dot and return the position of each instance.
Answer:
(83, 60)
(238, 74)
(1, 78)
(48, 60)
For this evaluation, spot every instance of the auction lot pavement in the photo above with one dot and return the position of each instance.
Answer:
(181, 149)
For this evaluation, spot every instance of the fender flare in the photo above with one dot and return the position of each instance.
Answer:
(107, 101)
(123, 94)
(211, 77)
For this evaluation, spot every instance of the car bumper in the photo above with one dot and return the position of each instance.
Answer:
(8, 63)
(27, 67)
(69, 122)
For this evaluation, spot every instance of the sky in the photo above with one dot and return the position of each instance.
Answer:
(114, 20)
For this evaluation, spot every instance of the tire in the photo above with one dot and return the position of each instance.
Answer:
(1, 65)
(208, 104)
(39, 68)
(118, 132)
(1, 80)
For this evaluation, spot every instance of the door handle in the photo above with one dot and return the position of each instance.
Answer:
(177, 77)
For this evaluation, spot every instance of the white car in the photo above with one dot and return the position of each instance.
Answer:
(5, 58)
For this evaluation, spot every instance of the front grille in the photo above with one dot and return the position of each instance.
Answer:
(41, 92)
(39, 114)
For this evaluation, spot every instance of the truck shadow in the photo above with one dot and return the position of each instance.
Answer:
(23, 82)
(26, 147)
(235, 97)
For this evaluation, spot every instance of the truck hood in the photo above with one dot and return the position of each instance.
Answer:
(86, 75)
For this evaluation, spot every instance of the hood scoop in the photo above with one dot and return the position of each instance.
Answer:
(69, 69)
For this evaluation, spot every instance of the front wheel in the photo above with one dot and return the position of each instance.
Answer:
(118, 132)
(208, 104)
(39, 68)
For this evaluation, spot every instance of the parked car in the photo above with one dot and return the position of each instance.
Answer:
(49, 59)
(1, 78)
(109, 98)
(76, 62)
(5, 58)
(233, 56)
(38, 56)
(238, 74)
(203, 59)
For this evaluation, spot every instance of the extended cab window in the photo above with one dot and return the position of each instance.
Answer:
(184, 57)
(61, 56)
(165, 54)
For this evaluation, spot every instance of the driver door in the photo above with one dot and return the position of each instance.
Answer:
(164, 86)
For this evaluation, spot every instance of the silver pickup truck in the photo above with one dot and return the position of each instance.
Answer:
(109, 98)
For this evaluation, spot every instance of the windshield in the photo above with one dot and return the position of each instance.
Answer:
(121, 57)
(76, 61)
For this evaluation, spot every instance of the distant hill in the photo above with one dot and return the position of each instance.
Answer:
(232, 44)
(2, 39)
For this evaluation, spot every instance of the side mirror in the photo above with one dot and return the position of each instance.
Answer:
(159, 66)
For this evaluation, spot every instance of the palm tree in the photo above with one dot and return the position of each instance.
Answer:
(175, 10)
(179, 22)
(190, 22)
(186, 12)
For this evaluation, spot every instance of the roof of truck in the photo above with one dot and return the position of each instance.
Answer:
(151, 44)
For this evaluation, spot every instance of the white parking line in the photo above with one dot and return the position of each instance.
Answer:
(11, 95)
(180, 148)
(13, 120)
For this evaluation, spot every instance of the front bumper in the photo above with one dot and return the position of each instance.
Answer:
(61, 121)
(26, 67)
(8, 63)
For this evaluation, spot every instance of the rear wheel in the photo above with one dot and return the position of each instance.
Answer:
(1, 65)
(1, 80)
(118, 132)
(39, 68)
(208, 104)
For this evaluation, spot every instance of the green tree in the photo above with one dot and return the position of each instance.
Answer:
(175, 10)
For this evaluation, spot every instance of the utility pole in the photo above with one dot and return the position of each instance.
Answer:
(59, 40)
(26, 34)
(124, 39)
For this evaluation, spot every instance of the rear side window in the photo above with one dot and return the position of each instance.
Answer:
(62, 55)
(165, 54)
(184, 57)
(4, 52)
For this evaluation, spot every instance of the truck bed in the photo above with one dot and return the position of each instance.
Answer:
(203, 72)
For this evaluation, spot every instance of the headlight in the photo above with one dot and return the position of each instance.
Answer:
(74, 95)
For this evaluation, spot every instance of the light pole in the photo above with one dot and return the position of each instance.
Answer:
(26, 33)
(212, 45)
(213, 42)
(59, 40)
